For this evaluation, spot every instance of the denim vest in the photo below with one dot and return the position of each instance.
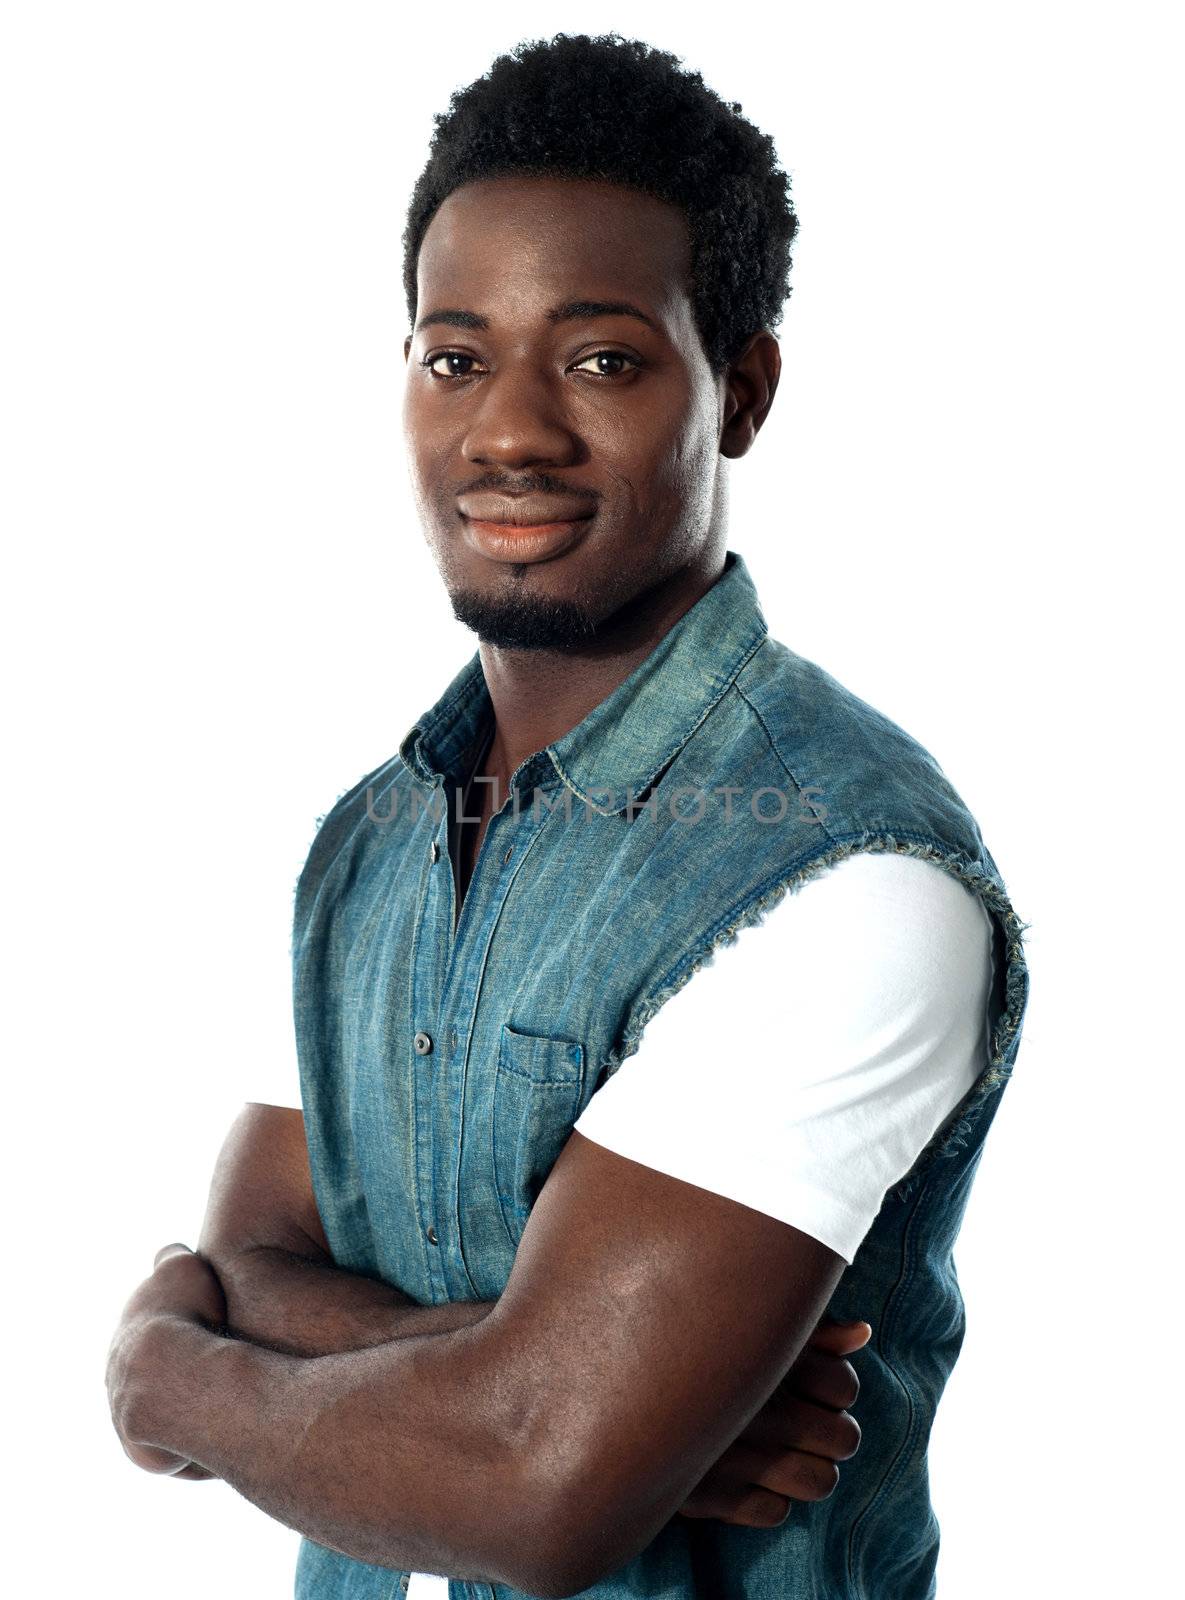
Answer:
(441, 1074)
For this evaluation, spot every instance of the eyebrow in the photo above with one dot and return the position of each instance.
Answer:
(570, 311)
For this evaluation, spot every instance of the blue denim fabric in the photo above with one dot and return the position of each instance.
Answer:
(722, 774)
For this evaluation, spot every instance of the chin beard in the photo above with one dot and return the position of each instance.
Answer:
(523, 621)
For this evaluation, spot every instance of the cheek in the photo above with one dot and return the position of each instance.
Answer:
(407, 413)
(424, 439)
(429, 464)
(679, 469)
(651, 461)
(687, 444)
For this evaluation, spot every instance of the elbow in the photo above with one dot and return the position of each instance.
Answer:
(561, 1581)
(566, 1502)
(550, 1577)
(574, 1569)
(568, 1539)
(557, 1573)
(541, 1550)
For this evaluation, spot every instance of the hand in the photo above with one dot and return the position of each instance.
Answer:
(789, 1450)
(184, 1285)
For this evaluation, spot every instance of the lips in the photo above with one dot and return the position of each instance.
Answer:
(524, 511)
(526, 530)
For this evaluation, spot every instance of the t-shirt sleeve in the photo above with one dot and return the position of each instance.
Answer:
(805, 1068)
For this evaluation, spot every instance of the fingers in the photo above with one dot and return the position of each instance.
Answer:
(757, 1488)
(795, 1474)
(827, 1380)
(185, 1282)
(796, 1424)
(750, 1507)
(167, 1250)
(840, 1338)
(164, 1463)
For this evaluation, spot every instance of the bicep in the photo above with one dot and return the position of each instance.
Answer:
(261, 1193)
(803, 1072)
(649, 1321)
(677, 1261)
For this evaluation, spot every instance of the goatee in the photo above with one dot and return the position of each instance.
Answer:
(523, 621)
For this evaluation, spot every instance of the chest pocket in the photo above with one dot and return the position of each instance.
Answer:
(537, 1095)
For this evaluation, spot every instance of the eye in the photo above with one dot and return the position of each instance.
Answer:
(608, 355)
(429, 362)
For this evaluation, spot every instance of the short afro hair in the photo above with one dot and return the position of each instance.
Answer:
(620, 110)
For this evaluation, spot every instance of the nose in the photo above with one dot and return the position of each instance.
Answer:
(519, 422)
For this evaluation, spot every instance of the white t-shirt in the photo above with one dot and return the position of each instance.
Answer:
(804, 1069)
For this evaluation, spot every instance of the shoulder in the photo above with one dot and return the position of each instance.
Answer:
(882, 895)
(877, 933)
(797, 701)
(370, 814)
(861, 770)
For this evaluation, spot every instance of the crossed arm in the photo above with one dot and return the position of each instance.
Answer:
(541, 1440)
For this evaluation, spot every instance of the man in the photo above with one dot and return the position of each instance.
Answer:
(507, 1304)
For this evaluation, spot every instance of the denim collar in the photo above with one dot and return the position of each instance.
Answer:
(620, 748)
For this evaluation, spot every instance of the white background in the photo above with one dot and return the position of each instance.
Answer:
(220, 612)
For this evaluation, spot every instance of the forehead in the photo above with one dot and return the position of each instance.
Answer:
(517, 243)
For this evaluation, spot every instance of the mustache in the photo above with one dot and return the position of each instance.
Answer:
(538, 484)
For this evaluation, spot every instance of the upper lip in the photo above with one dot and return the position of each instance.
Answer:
(524, 511)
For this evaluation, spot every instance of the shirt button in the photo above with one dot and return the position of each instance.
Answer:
(406, 1579)
(434, 853)
(431, 1231)
(423, 1044)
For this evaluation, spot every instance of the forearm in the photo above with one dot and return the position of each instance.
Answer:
(332, 1410)
(404, 1456)
(263, 1236)
(305, 1306)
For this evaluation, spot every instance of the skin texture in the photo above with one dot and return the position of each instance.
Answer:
(525, 408)
(263, 1235)
(498, 1446)
(378, 1451)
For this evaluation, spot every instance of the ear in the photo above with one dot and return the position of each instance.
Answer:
(750, 384)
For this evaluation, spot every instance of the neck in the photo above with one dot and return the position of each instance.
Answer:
(540, 695)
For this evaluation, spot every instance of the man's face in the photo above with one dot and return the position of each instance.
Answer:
(600, 426)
